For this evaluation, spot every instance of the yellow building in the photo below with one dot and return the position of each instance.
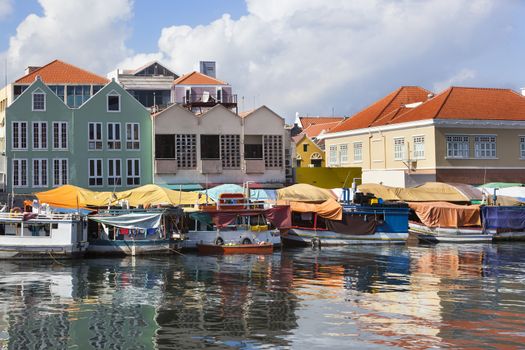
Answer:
(308, 154)
(465, 135)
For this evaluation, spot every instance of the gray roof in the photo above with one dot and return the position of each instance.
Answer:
(131, 82)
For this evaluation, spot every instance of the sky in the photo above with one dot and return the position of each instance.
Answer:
(312, 57)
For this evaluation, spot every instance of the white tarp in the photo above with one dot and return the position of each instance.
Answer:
(130, 221)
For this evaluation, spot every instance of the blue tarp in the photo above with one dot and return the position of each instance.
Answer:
(503, 217)
(256, 194)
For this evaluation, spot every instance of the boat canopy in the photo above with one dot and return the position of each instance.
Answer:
(329, 209)
(304, 193)
(500, 185)
(428, 192)
(130, 221)
(279, 216)
(69, 196)
(444, 214)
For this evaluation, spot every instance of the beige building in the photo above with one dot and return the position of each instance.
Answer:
(220, 146)
(466, 135)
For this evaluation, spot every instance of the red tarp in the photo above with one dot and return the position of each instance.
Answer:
(444, 214)
(278, 216)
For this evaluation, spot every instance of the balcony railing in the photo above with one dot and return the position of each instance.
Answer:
(209, 100)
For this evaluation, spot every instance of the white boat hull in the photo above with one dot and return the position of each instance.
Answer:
(236, 237)
(450, 235)
(130, 247)
(304, 237)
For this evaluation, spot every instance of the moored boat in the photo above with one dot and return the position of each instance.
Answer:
(260, 248)
(427, 234)
(44, 235)
(508, 222)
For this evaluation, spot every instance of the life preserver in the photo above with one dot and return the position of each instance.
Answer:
(15, 210)
(246, 241)
(219, 241)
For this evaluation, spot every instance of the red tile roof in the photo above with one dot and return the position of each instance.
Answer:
(307, 121)
(469, 103)
(58, 72)
(315, 129)
(196, 78)
(388, 105)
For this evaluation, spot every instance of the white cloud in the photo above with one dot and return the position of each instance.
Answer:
(6, 8)
(314, 55)
(85, 33)
(464, 76)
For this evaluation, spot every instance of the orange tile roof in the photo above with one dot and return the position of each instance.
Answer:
(315, 129)
(307, 121)
(469, 103)
(58, 72)
(196, 78)
(389, 104)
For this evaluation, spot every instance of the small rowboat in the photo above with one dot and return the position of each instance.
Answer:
(262, 248)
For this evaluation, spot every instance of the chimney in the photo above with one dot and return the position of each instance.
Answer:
(523, 91)
(31, 69)
(208, 68)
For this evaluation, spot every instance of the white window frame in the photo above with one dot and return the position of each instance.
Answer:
(113, 143)
(41, 175)
(358, 151)
(458, 146)
(19, 173)
(130, 138)
(40, 136)
(95, 143)
(482, 147)
(332, 155)
(134, 162)
(343, 153)
(399, 148)
(60, 181)
(113, 93)
(113, 177)
(33, 94)
(418, 142)
(61, 136)
(95, 172)
(21, 136)
(522, 147)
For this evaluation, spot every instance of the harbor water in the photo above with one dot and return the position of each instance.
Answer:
(363, 297)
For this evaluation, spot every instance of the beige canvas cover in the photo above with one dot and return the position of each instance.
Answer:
(329, 209)
(387, 193)
(428, 192)
(443, 214)
(304, 193)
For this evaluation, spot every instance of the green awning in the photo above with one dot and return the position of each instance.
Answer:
(183, 187)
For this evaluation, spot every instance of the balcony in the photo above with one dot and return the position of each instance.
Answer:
(255, 166)
(165, 166)
(211, 166)
(207, 101)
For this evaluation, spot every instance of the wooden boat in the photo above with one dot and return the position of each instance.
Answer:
(217, 249)
(427, 234)
(44, 235)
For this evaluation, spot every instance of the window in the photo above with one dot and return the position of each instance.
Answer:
(165, 146)
(219, 95)
(305, 147)
(186, 151)
(95, 172)
(358, 151)
(114, 172)
(113, 102)
(485, 146)
(273, 151)
(210, 148)
(332, 156)
(399, 148)
(458, 146)
(95, 136)
(114, 136)
(58, 90)
(39, 135)
(419, 147)
(77, 95)
(19, 172)
(253, 147)
(133, 172)
(60, 172)
(133, 136)
(343, 153)
(39, 101)
(60, 138)
(39, 172)
(19, 133)
(522, 147)
(231, 151)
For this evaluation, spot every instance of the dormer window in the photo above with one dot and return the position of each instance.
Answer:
(113, 100)
(39, 100)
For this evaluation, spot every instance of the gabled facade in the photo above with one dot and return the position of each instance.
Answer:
(150, 84)
(307, 153)
(102, 144)
(219, 146)
(466, 135)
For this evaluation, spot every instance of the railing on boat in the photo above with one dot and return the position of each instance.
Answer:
(24, 216)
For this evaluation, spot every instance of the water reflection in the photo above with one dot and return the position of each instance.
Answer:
(370, 297)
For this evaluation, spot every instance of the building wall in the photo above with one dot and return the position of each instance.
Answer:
(328, 177)
(306, 157)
